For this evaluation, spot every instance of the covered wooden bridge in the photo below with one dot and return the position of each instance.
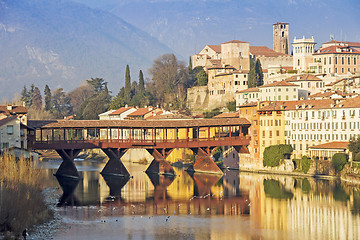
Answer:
(159, 137)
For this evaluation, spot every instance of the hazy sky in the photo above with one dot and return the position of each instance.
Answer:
(187, 26)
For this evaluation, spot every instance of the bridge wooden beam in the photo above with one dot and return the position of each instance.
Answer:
(159, 165)
(67, 167)
(204, 163)
(114, 166)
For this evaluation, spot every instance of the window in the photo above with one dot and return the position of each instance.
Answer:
(10, 129)
(335, 60)
(342, 60)
(270, 134)
(277, 133)
(263, 133)
(329, 61)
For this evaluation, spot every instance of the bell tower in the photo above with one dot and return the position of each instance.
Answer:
(281, 37)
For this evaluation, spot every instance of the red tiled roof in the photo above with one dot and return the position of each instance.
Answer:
(140, 112)
(350, 44)
(312, 104)
(120, 111)
(279, 84)
(227, 115)
(325, 94)
(337, 50)
(265, 51)
(14, 110)
(250, 104)
(303, 77)
(216, 48)
(235, 41)
(169, 117)
(331, 145)
(335, 82)
(138, 123)
(7, 119)
(249, 90)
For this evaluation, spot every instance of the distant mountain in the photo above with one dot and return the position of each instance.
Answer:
(61, 43)
(188, 25)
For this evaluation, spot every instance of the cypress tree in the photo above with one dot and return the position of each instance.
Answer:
(141, 83)
(286, 46)
(252, 75)
(127, 85)
(190, 65)
(259, 73)
(36, 98)
(47, 93)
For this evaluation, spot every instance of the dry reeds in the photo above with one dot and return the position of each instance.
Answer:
(22, 203)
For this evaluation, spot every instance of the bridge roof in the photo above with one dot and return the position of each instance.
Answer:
(138, 123)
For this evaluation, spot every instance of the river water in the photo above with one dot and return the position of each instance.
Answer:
(202, 206)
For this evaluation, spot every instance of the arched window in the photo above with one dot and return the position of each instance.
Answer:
(298, 62)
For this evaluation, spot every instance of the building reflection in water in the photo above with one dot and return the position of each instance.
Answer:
(286, 206)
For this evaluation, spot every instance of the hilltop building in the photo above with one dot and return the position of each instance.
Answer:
(281, 37)
(303, 50)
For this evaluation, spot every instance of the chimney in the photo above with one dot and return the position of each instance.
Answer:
(297, 106)
(9, 107)
(126, 106)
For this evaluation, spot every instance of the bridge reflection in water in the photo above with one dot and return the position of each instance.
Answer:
(232, 206)
(203, 201)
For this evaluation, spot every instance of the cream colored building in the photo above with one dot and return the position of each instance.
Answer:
(308, 84)
(314, 122)
(279, 91)
(303, 50)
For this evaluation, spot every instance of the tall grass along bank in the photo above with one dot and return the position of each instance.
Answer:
(22, 203)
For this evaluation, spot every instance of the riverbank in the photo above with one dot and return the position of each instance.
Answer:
(22, 204)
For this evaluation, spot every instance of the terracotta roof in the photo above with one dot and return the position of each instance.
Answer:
(227, 115)
(7, 119)
(325, 94)
(120, 111)
(303, 77)
(235, 41)
(216, 48)
(14, 110)
(313, 104)
(335, 82)
(337, 50)
(137, 123)
(141, 112)
(350, 44)
(249, 90)
(291, 105)
(169, 117)
(331, 145)
(250, 104)
(265, 51)
(279, 84)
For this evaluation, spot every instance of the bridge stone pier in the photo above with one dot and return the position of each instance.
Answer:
(159, 137)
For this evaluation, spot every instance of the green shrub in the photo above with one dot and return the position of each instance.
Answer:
(217, 153)
(339, 160)
(357, 157)
(340, 194)
(273, 154)
(305, 164)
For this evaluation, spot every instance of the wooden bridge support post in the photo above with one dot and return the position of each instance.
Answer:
(159, 165)
(204, 163)
(114, 166)
(67, 167)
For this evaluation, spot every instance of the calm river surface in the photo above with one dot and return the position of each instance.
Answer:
(233, 206)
